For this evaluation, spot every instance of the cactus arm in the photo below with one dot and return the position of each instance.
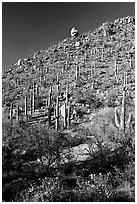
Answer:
(129, 120)
(117, 119)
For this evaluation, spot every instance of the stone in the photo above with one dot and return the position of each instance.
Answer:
(74, 32)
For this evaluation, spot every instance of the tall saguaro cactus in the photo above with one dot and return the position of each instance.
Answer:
(57, 105)
(31, 104)
(11, 118)
(37, 91)
(26, 106)
(49, 106)
(120, 120)
(65, 115)
(66, 106)
(18, 113)
(76, 72)
(11, 112)
(67, 90)
(33, 100)
(116, 70)
(68, 118)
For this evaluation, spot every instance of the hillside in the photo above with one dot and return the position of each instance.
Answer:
(100, 57)
(69, 119)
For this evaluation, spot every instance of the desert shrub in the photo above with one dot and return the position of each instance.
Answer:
(110, 99)
(92, 100)
(94, 188)
(22, 146)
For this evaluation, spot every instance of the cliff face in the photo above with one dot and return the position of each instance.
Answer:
(91, 62)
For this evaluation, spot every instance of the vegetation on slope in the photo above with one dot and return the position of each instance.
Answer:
(36, 166)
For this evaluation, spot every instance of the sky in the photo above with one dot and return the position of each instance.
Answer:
(28, 27)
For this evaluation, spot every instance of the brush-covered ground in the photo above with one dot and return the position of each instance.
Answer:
(92, 160)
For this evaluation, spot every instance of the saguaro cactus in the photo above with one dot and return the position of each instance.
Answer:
(37, 91)
(50, 95)
(26, 107)
(18, 113)
(31, 103)
(68, 118)
(11, 118)
(66, 106)
(120, 120)
(11, 112)
(65, 115)
(33, 99)
(57, 105)
(49, 106)
(91, 73)
(116, 70)
(67, 92)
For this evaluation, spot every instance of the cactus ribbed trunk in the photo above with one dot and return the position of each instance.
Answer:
(18, 112)
(123, 108)
(65, 116)
(26, 108)
(37, 91)
(68, 118)
(11, 112)
(50, 95)
(67, 88)
(57, 106)
(79, 70)
(57, 114)
(40, 78)
(11, 119)
(49, 106)
(117, 119)
(31, 110)
(122, 119)
(130, 62)
(33, 100)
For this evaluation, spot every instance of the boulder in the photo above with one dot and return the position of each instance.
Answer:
(74, 32)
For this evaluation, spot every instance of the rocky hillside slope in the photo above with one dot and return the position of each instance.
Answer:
(92, 64)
